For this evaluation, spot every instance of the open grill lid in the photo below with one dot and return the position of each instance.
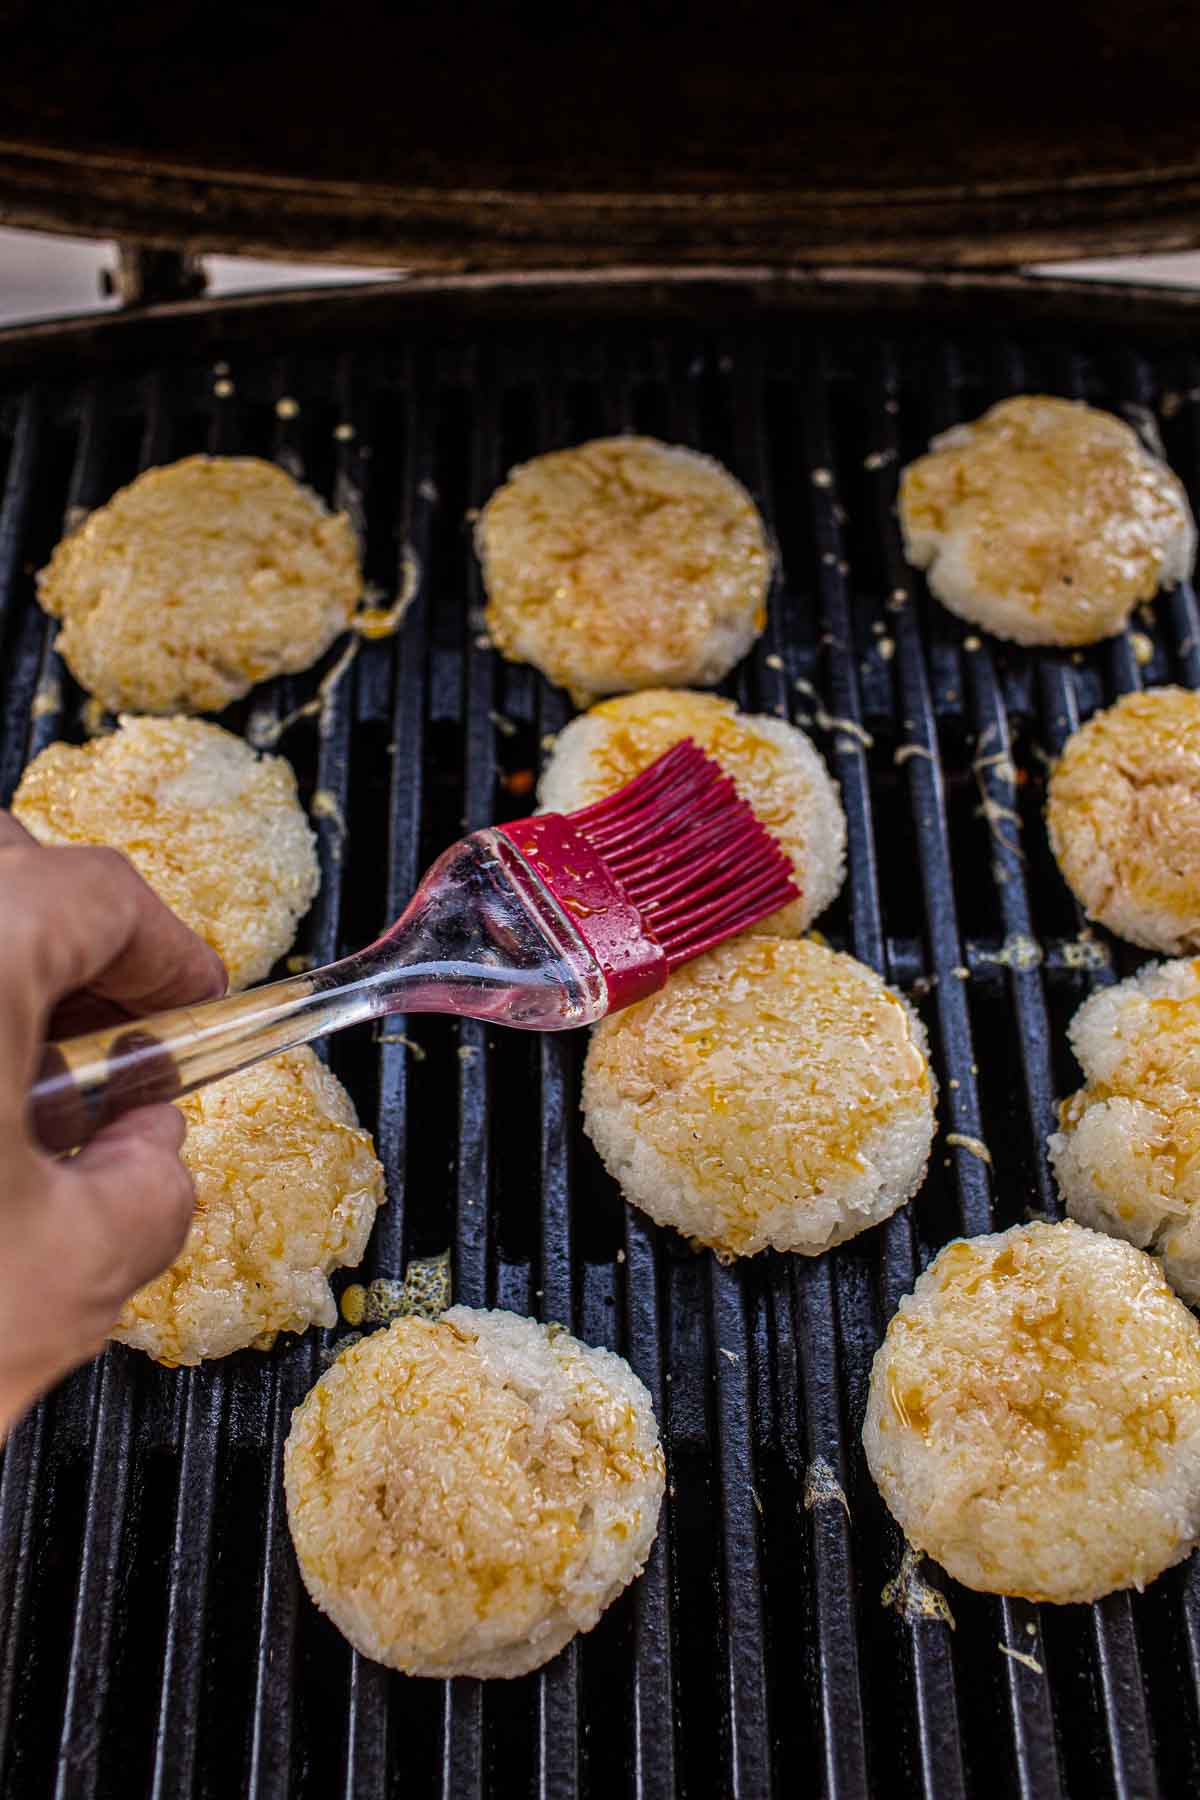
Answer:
(464, 135)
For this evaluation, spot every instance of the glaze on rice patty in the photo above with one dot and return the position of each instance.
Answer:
(1033, 1419)
(216, 829)
(287, 1188)
(1045, 521)
(1123, 814)
(774, 766)
(1127, 1156)
(465, 1496)
(774, 1093)
(198, 580)
(624, 563)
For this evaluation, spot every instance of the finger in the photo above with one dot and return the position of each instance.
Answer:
(136, 1197)
(84, 918)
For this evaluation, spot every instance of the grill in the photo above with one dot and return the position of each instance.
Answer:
(156, 1637)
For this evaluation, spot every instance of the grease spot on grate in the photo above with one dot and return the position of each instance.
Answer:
(1017, 952)
(424, 1293)
(909, 1594)
(821, 1487)
(976, 1146)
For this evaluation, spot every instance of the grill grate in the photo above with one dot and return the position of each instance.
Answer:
(156, 1635)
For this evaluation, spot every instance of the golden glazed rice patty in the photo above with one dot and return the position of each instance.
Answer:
(624, 563)
(1045, 521)
(1033, 1420)
(466, 1495)
(774, 766)
(215, 828)
(1123, 813)
(773, 1093)
(1127, 1156)
(197, 580)
(287, 1188)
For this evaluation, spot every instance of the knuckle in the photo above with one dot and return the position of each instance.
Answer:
(51, 862)
(61, 901)
(47, 884)
(105, 866)
(97, 875)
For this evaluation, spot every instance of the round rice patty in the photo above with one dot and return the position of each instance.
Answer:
(1033, 1420)
(287, 1188)
(773, 1093)
(465, 1496)
(1045, 521)
(1128, 1155)
(196, 581)
(216, 829)
(624, 563)
(1123, 813)
(774, 766)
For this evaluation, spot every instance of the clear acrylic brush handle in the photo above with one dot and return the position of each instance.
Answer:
(481, 938)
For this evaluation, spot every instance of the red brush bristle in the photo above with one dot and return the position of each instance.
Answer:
(667, 867)
(689, 853)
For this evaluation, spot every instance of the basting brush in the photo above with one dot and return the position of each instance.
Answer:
(545, 924)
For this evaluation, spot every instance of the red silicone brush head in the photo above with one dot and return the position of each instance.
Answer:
(668, 866)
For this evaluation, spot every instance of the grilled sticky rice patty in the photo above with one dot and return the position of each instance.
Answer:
(198, 580)
(774, 766)
(773, 1093)
(624, 563)
(216, 829)
(287, 1188)
(1045, 521)
(466, 1495)
(1127, 1156)
(1033, 1419)
(1123, 813)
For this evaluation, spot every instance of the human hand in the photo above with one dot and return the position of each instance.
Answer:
(83, 942)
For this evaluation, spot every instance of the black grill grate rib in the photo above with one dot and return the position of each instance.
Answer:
(157, 1636)
(932, 1676)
